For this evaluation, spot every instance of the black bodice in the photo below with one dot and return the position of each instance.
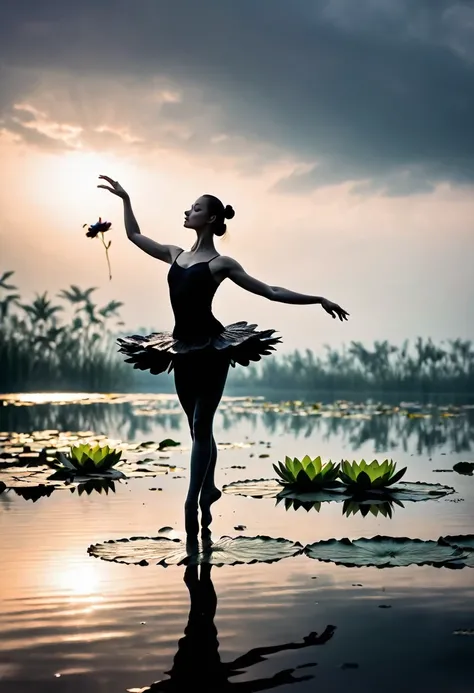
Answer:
(192, 290)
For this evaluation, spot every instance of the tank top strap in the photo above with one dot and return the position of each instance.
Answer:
(213, 258)
(177, 256)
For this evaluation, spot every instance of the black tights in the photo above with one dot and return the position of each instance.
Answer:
(200, 379)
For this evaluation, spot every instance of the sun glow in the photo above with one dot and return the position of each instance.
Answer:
(68, 182)
(76, 579)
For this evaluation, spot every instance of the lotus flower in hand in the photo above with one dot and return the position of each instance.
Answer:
(99, 227)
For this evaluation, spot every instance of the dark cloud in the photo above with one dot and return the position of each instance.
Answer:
(378, 92)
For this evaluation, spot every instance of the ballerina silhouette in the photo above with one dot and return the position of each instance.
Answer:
(197, 664)
(200, 349)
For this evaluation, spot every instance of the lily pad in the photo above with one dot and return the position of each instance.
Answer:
(255, 488)
(271, 488)
(19, 477)
(418, 491)
(386, 552)
(39, 447)
(464, 542)
(148, 468)
(322, 496)
(71, 475)
(460, 541)
(225, 551)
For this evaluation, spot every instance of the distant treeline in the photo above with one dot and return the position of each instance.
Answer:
(421, 367)
(40, 349)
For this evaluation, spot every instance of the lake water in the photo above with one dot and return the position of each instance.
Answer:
(72, 622)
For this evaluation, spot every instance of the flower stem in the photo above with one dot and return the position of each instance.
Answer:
(106, 254)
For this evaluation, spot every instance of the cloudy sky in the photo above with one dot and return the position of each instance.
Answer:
(342, 133)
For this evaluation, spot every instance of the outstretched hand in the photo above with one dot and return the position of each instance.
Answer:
(334, 309)
(114, 188)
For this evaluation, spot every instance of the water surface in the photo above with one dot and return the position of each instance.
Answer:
(71, 622)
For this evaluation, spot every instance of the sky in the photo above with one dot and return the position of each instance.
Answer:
(341, 132)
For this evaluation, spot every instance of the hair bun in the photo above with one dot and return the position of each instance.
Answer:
(228, 212)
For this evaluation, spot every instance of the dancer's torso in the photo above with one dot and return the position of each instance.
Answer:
(192, 290)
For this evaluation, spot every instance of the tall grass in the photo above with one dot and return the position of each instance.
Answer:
(42, 350)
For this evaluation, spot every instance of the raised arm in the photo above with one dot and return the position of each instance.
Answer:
(235, 272)
(166, 253)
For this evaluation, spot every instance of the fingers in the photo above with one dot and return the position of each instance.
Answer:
(335, 311)
(341, 313)
(330, 311)
(106, 187)
(108, 179)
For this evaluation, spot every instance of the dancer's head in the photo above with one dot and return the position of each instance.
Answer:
(208, 212)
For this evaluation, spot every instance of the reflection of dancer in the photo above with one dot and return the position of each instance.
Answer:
(200, 349)
(197, 664)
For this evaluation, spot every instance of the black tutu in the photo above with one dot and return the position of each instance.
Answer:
(240, 342)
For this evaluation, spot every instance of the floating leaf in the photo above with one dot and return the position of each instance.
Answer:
(385, 552)
(225, 551)
(25, 478)
(255, 488)
(464, 542)
(150, 468)
(271, 488)
(70, 475)
(460, 541)
(415, 491)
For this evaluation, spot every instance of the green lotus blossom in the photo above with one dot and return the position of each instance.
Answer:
(364, 476)
(89, 459)
(307, 474)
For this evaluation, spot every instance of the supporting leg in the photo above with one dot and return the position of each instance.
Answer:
(200, 382)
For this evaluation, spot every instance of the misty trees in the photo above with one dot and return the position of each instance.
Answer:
(40, 348)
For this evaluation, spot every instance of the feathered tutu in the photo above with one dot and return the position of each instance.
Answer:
(156, 352)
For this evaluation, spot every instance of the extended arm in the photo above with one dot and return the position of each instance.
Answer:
(239, 276)
(166, 253)
(278, 293)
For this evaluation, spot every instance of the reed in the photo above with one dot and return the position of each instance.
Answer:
(45, 347)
